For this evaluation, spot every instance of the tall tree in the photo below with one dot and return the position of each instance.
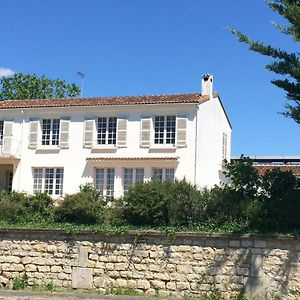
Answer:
(285, 63)
(30, 86)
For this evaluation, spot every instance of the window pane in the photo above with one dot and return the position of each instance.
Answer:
(171, 129)
(139, 175)
(169, 174)
(110, 180)
(101, 137)
(59, 181)
(46, 131)
(37, 180)
(1, 129)
(159, 125)
(158, 174)
(128, 178)
(55, 131)
(100, 180)
(49, 176)
(112, 131)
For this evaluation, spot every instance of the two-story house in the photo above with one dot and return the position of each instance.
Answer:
(54, 145)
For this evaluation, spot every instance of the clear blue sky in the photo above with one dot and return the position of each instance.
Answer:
(136, 47)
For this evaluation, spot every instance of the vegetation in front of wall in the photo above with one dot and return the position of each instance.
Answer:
(20, 282)
(268, 203)
(122, 291)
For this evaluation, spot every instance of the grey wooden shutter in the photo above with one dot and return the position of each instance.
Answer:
(181, 123)
(7, 137)
(121, 132)
(64, 133)
(145, 138)
(33, 133)
(88, 133)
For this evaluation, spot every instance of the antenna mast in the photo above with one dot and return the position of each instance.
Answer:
(81, 75)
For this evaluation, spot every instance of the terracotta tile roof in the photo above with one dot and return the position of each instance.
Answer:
(262, 168)
(104, 101)
(100, 159)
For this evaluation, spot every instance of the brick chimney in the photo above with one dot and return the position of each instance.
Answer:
(207, 85)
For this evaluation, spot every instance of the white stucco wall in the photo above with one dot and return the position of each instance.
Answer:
(207, 154)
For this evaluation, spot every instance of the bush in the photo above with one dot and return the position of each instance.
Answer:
(85, 207)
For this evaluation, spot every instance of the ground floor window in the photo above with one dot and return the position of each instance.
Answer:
(105, 181)
(49, 180)
(132, 176)
(163, 174)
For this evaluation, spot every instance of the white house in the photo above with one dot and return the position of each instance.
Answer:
(54, 145)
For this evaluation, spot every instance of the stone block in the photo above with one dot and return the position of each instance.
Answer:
(256, 263)
(143, 284)
(82, 278)
(83, 257)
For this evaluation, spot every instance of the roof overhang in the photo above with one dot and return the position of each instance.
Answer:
(139, 159)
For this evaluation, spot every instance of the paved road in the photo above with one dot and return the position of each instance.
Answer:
(28, 295)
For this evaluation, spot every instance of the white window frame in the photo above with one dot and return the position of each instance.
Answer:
(52, 137)
(165, 139)
(164, 174)
(108, 139)
(127, 182)
(103, 184)
(40, 177)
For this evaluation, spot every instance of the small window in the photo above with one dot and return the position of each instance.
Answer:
(105, 180)
(164, 129)
(107, 131)
(132, 176)
(50, 132)
(49, 180)
(1, 130)
(163, 174)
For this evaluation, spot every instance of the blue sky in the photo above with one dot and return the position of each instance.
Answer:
(136, 47)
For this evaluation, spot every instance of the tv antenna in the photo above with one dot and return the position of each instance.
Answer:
(81, 75)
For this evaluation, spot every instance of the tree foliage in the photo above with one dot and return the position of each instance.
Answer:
(31, 86)
(285, 63)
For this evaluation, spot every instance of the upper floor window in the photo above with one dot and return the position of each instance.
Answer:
(224, 146)
(164, 129)
(105, 181)
(1, 130)
(49, 180)
(107, 131)
(50, 131)
(132, 176)
(167, 174)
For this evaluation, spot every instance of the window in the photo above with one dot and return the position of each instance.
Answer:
(132, 176)
(163, 174)
(224, 146)
(50, 131)
(49, 180)
(105, 180)
(164, 129)
(107, 131)
(1, 130)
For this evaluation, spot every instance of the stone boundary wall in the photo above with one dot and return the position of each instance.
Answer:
(152, 262)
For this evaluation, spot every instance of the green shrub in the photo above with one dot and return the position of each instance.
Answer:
(19, 283)
(85, 207)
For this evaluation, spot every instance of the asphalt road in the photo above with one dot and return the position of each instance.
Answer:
(28, 295)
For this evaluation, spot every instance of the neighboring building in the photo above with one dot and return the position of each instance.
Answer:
(54, 145)
(268, 163)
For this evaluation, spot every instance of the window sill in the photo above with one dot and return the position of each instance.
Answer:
(47, 147)
(163, 146)
(107, 147)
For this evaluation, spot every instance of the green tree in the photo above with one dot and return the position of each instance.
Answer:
(285, 63)
(31, 86)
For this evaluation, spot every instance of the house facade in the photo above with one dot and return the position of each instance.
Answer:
(55, 145)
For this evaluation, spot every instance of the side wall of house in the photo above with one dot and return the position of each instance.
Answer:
(211, 125)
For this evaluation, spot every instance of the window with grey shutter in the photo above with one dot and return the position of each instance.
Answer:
(88, 133)
(7, 137)
(145, 137)
(64, 133)
(121, 132)
(33, 133)
(181, 131)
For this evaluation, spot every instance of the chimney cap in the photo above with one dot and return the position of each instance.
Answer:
(205, 77)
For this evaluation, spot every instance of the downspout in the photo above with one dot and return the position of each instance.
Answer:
(196, 147)
(21, 148)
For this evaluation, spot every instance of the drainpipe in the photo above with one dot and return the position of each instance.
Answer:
(196, 147)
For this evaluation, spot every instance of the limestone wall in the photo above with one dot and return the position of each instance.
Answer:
(153, 263)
